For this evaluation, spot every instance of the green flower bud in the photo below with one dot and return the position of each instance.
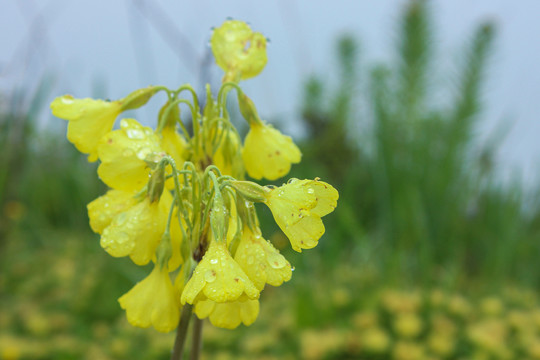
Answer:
(138, 98)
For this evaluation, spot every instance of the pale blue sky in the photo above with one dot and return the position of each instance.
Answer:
(81, 41)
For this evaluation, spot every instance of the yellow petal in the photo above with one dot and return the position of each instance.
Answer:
(102, 210)
(261, 261)
(152, 302)
(219, 278)
(268, 153)
(89, 120)
(297, 207)
(122, 153)
(136, 232)
(230, 314)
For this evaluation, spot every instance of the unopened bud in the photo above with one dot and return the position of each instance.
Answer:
(156, 184)
(248, 109)
(249, 190)
(138, 98)
(218, 216)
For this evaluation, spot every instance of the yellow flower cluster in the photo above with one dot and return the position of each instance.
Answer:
(179, 198)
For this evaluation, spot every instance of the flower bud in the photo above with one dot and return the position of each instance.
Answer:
(138, 98)
(249, 190)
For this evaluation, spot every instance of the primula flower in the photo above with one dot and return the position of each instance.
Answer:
(268, 153)
(102, 210)
(152, 302)
(261, 261)
(298, 207)
(89, 120)
(122, 153)
(137, 231)
(228, 315)
(219, 278)
(239, 51)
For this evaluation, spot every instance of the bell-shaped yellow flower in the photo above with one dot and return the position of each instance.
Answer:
(153, 302)
(218, 278)
(230, 314)
(102, 210)
(239, 51)
(261, 261)
(268, 153)
(122, 153)
(298, 207)
(89, 120)
(137, 231)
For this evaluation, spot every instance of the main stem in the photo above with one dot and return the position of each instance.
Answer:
(197, 338)
(181, 333)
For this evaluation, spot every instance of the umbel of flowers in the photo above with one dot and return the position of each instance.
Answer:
(178, 198)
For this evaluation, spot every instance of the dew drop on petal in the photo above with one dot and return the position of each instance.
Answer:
(210, 276)
(213, 261)
(135, 134)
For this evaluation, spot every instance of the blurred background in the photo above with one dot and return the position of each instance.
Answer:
(423, 114)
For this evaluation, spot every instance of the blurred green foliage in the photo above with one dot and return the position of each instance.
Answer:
(419, 194)
(422, 212)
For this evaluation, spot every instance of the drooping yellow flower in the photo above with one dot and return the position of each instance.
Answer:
(137, 231)
(122, 153)
(89, 120)
(298, 207)
(268, 153)
(218, 278)
(261, 261)
(228, 315)
(239, 51)
(153, 302)
(102, 210)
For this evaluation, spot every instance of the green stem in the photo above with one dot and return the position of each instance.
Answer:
(181, 333)
(196, 344)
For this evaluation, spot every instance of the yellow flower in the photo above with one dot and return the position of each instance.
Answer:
(122, 153)
(261, 261)
(298, 207)
(375, 340)
(137, 231)
(228, 315)
(102, 210)
(219, 278)
(152, 302)
(268, 153)
(89, 120)
(408, 325)
(239, 51)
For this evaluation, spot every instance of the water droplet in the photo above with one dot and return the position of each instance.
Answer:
(210, 276)
(135, 134)
(213, 261)
(310, 191)
(292, 268)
